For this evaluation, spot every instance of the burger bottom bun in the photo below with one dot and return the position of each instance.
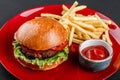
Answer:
(36, 67)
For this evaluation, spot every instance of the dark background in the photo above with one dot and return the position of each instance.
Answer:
(9, 8)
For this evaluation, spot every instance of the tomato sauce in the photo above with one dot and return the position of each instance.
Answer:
(95, 52)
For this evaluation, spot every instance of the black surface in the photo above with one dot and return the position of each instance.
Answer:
(9, 8)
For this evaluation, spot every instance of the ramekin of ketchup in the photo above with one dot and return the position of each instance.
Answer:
(95, 54)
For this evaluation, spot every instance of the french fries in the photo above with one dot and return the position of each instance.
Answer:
(81, 27)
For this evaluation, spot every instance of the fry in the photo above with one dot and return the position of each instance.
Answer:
(63, 12)
(96, 22)
(65, 8)
(93, 22)
(72, 7)
(108, 38)
(83, 18)
(84, 25)
(104, 37)
(102, 22)
(79, 34)
(98, 33)
(86, 37)
(77, 41)
(71, 35)
(100, 29)
(94, 36)
(51, 15)
(78, 8)
(107, 21)
(76, 36)
(79, 15)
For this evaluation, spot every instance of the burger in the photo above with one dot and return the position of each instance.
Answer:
(41, 44)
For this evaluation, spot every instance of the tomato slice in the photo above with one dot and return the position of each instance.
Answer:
(61, 46)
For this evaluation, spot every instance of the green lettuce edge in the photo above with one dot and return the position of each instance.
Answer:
(40, 62)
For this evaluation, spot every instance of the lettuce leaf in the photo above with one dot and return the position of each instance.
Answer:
(40, 62)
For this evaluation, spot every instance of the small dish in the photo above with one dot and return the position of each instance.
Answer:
(94, 58)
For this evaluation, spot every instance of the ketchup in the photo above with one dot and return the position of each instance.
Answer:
(95, 52)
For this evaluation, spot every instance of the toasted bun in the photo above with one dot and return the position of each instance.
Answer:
(41, 34)
(36, 67)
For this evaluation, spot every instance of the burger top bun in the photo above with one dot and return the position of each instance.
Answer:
(41, 34)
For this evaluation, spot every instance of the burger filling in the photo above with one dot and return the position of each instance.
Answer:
(41, 58)
(41, 54)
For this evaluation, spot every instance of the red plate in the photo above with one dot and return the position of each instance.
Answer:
(69, 70)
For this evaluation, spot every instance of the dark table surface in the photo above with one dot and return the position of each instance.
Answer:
(9, 8)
